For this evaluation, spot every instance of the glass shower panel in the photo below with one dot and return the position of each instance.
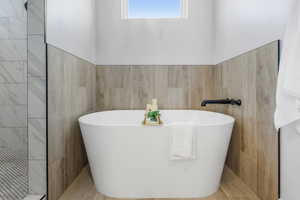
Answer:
(13, 100)
(37, 98)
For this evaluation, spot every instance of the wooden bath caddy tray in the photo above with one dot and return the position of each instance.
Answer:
(152, 123)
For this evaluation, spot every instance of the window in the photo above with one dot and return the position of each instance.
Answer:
(154, 9)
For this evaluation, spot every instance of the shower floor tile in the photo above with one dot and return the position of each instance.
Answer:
(232, 188)
(13, 175)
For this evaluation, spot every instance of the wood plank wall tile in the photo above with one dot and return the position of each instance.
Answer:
(267, 138)
(71, 92)
(253, 152)
(132, 87)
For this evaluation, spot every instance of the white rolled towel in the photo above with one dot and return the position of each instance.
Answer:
(183, 142)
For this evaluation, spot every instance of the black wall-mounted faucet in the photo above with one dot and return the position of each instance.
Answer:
(222, 101)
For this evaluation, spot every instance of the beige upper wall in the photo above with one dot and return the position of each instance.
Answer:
(70, 26)
(216, 30)
(241, 26)
(154, 42)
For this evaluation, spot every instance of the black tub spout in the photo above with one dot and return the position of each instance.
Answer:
(222, 101)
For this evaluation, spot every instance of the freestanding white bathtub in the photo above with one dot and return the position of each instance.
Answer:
(129, 160)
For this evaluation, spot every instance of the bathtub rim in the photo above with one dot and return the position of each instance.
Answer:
(227, 120)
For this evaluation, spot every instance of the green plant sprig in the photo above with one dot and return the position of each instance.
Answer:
(153, 115)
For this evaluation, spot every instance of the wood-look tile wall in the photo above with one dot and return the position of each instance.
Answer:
(71, 94)
(175, 87)
(253, 153)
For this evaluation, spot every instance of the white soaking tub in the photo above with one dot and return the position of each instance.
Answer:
(129, 160)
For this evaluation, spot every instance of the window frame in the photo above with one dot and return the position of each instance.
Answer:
(183, 7)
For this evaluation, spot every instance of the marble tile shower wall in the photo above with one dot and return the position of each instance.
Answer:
(13, 100)
(22, 87)
(36, 97)
(13, 79)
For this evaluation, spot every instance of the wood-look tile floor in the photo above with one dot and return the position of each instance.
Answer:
(232, 188)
